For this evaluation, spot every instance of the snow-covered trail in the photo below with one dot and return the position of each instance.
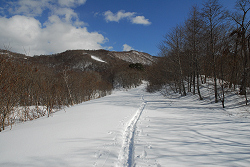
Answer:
(126, 156)
(89, 134)
(131, 128)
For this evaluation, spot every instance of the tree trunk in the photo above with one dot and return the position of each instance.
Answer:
(197, 81)
(181, 73)
(65, 77)
(244, 76)
(222, 87)
(194, 83)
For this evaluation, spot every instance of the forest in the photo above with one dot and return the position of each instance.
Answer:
(32, 87)
(212, 43)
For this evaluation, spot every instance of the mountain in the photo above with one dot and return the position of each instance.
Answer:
(93, 60)
(5, 54)
(134, 57)
(103, 56)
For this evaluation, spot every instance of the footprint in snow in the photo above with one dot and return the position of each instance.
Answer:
(144, 154)
(98, 154)
(141, 133)
(115, 138)
(158, 165)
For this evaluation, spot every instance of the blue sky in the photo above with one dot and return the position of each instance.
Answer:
(38, 27)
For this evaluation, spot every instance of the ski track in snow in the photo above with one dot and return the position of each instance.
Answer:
(126, 155)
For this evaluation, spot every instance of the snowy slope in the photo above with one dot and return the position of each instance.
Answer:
(97, 59)
(134, 57)
(131, 128)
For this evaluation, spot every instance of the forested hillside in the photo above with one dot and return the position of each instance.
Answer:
(32, 87)
(212, 42)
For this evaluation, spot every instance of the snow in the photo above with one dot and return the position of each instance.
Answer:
(97, 59)
(131, 128)
(134, 57)
(126, 156)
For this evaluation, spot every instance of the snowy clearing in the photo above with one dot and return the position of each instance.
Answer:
(97, 59)
(132, 128)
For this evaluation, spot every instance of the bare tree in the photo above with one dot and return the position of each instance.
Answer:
(193, 26)
(174, 45)
(243, 23)
(66, 80)
(8, 91)
(213, 17)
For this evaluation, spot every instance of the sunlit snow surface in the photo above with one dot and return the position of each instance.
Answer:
(97, 59)
(176, 131)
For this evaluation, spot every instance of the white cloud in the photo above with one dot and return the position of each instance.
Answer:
(140, 20)
(36, 7)
(110, 16)
(29, 7)
(71, 3)
(131, 16)
(24, 32)
(126, 47)
(68, 14)
(61, 31)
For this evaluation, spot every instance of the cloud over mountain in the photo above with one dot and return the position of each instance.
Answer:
(60, 31)
(56, 35)
(126, 47)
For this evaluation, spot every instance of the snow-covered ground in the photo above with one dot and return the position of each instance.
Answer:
(97, 59)
(132, 128)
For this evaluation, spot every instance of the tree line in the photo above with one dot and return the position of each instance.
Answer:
(212, 42)
(31, 89)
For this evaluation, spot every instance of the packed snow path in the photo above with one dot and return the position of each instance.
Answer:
(132, 128)
(126, 156)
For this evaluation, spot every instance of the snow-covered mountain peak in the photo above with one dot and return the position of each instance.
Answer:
(135, 57)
